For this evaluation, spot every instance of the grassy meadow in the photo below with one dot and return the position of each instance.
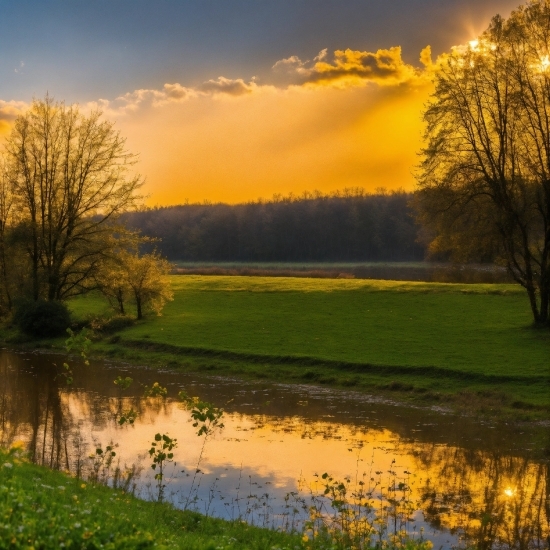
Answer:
(423, 341)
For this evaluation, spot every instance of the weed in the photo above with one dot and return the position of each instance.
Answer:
(161, 453)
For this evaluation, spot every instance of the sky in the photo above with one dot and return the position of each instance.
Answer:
(236, 100)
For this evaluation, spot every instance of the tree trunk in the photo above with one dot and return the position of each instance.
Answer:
(120, 300)
(4, 267)
(532, 294)
(544, 303)
(138, 306)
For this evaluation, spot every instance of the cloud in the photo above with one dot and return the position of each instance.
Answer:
(346, 68)
(290, 64)
(168, 94)
(354, 68)
(227, 86)
(9, 110)
(171, 93)
(426, 57)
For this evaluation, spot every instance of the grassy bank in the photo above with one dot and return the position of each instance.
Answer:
(471, 344)
(44, 509)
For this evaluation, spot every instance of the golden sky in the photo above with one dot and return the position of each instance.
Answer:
(351, 119)
(316, 95)
(343, 119)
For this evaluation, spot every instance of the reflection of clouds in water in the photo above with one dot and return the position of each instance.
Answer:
(275, 436)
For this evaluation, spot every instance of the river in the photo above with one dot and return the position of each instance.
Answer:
(464, 481)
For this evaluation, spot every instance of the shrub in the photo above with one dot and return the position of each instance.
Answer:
(114, 324)
(42, 319)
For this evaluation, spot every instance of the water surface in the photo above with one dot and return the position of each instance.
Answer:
(468, 481)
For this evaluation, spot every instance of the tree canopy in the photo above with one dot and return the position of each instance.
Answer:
(484, 180)
(66, 178)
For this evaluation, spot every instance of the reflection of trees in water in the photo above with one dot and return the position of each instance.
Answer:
(38, 407)
(494, 501)
(8, 380)
(31, 408)
(465, 491)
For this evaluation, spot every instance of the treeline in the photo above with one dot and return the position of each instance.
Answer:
(347, 226)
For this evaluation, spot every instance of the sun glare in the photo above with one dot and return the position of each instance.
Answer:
(544, 63)
(509, 492)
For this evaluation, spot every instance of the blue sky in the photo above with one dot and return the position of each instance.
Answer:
(82, 50)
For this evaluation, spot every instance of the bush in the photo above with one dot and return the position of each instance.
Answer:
(114, 324)
(42, 319)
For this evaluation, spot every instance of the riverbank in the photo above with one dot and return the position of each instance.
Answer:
(464, 346)
(46, 509)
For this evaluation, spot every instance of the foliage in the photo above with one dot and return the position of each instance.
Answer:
(359, 514)
(42, 319)
(67, 178)
(123, 383)
(124, 416)
(347, 226)
(139, 278)
(79, 342)
(102, 461)
(161, 453)
(111, 324)
(156, 390)
(485, 175)
(206, 416)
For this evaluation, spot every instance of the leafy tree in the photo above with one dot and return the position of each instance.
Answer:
(68, 176)
(485, 175)
(141, 279)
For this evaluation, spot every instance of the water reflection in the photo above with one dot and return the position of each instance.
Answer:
(472, 483)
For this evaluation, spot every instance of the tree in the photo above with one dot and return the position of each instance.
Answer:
(141, 279)
(69, 176)
(6, 215)
(484, 181)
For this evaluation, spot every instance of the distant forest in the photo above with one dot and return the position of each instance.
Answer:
(346, 226)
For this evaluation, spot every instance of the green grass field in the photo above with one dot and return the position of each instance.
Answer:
(445, 338)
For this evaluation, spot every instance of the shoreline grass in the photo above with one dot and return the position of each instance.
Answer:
(46, 509)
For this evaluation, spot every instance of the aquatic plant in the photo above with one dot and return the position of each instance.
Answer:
(156, 390)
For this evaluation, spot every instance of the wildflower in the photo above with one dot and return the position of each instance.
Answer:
(7, 465)
(83, 486)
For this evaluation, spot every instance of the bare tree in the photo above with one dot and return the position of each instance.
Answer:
(484, 178)
(70, 175)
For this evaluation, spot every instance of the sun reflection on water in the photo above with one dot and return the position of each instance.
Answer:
(276, 442)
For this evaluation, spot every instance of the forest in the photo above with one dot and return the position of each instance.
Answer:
(347, 226)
